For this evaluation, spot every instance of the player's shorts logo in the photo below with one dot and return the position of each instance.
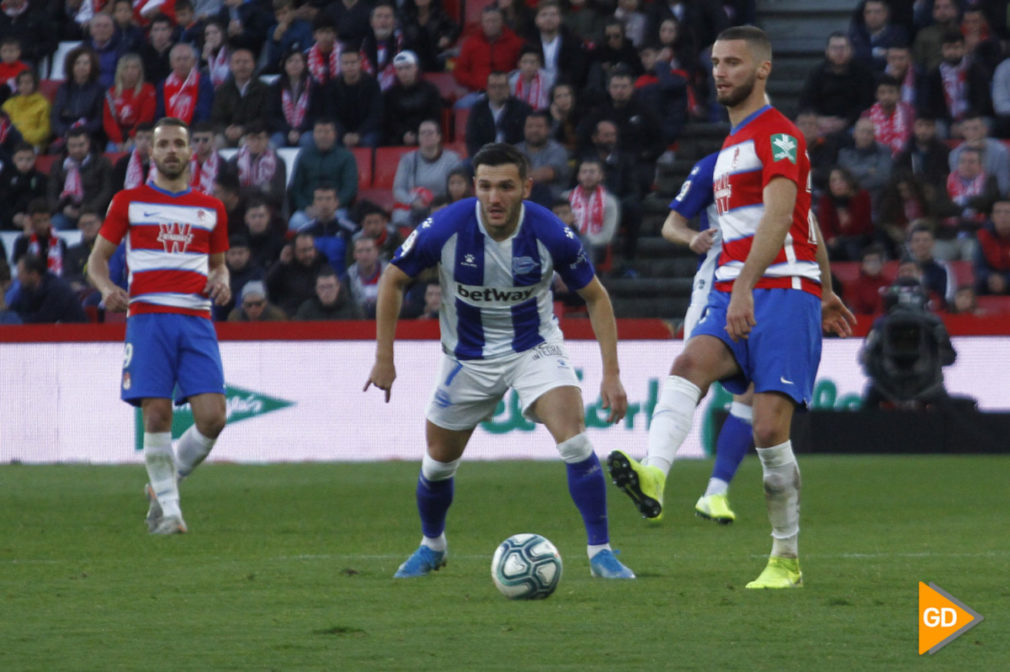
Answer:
(127, 382)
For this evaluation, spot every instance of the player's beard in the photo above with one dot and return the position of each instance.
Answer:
(738, 94)
(174, 172)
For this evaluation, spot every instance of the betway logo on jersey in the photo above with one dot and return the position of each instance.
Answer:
(494, 296)
(175, 236)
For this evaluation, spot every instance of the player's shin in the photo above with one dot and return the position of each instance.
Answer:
(588, 489)
(735, 438)
(782, 496)
(671, 421)
(193, 448)
(160, 465)
(434, 497)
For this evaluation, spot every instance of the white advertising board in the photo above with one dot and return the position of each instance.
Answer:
(303, 400)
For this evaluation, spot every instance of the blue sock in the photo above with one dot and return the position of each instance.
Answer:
(734, 440)
(433, 500)
(589, 492)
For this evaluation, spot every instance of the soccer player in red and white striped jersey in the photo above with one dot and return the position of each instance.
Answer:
(176, 240)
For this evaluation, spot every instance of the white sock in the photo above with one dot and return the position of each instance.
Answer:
(161, 470)
(192, 449)
(781, 477)
(436, 544)
(593, 549)
(716, 486)
(671, 421)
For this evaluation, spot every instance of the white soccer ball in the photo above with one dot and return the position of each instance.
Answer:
(526, 567)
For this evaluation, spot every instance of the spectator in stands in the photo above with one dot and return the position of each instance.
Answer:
(701, 20)
(864, 294)
(432, 301)
(7, 316)
(821, 148)
(901, 68)
(936, 276)
(382, 44)
(965, 302)
(408, 102)
(247, 24)
(107, 45)
(493, 48)
(10, 65)
(296, 100)
(363, 275)
(634, 19)
(1001, 98)
(927, 49)
(265, 241)
(516, 15)
(615, 54)
(421, 175)
(290, 32)
(82, 179)
(188, 27)
(260, 170)
(431, 31)
(254, 306)
(992, 261)
(186, 93)
(980, 44)
(561, 51)
(321, 162)
(230, 193)
(130, 34)
(30, 24)
(39, 239)
(530, 83)
(957, 86)
(292, 278)
(76, 259)
(892, 119)
(331, 233)
(135, 168)
(350, 16)
(905, 200)
(995, 157)
(375, 224)
(331, 300)
(324, 56)
(925, 157)
(10, 138)
(78, 102)
(872, 37)
(44, 298)
(970, 193)
(356, 101)
(596, 211)
(240, 100)
(497, 116)
(585, 20)
(459, 184)
(156, 51)
(845, 216)
(838, 89)
(29, 111)
(548, 160)
(564, 117)
(660, 87)
(20, 184)
(867, 160)
(620, 177)
(242, 269)
(215, 56)
(206, 163)
(679, 50)
(129, 103)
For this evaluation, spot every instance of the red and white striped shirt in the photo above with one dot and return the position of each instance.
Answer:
(169, 238)
(764, 146)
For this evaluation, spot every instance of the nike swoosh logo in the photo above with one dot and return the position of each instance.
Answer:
(783, 379)
(148, 214)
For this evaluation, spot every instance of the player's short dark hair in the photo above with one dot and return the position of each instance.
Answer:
(755, 38)
(172, 122)
(501, 154)
(38, 205)
(35, 264)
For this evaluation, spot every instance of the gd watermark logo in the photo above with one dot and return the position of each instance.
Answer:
(942, 618)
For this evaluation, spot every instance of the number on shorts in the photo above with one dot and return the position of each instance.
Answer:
(127, 355)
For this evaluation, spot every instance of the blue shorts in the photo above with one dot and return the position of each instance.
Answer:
(170, 355)
(784, 347)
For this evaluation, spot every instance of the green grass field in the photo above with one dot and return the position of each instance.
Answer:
(288, 567)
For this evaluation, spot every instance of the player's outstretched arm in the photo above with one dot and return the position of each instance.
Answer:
(114, 297)
(779, 198)
(677, 231)
(835, 316)
(601, 316)
(218, 280)
(387, 310)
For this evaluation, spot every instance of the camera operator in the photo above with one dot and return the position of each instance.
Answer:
(905, 351)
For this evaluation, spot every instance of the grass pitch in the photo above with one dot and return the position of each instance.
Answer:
(288, 567)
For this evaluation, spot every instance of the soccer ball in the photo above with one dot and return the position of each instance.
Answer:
(526, 567)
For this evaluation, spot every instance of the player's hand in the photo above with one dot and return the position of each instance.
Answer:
(218, 291)
(836, 318)
(116, 299)
(382, 376)
(702, 241)
(740, 314)
(613, 396)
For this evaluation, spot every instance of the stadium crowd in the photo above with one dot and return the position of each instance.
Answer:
(331, 128)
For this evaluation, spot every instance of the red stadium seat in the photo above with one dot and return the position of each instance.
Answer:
(386, 161)
(47, 87)
(994, 305)
(44, 163)
(459, 123)
(381, 197)
(363, 157)
(446, 84)
(963, 272)
(472, 10)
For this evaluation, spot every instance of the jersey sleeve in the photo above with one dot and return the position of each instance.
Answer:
(117, 219)
(422, 248)
(570, 259)
(696, 193)
(781, 148)
(219, 236)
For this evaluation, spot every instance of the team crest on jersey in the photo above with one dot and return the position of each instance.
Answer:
(783, 147)
(523, 265)
(175, 236)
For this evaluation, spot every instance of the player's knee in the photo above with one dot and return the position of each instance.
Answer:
(576, 449)
(433, 470)
(769, 433)
(212, 426)
(780, 481)
(689, 367)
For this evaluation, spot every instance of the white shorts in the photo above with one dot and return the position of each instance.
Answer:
(700, 290)
(468, 391)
